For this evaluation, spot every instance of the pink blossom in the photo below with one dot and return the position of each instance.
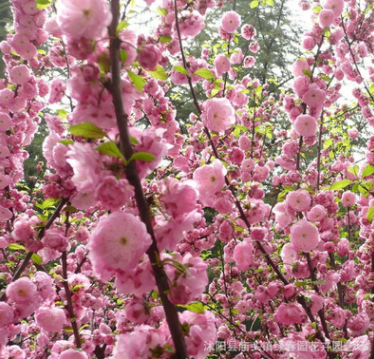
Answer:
(190, 24)
(179, 197)
(73, 354)
(202, 329)
(138, 343)
(308, 43)
(249, 61)
(219, 115)
(50, 319)
(86, 165)
(137, 311)
(248, 31)
(353, 133)
(304, 236)
(5, 214)
(149, 56)
(230, 21)
(55, 239)
(20, 74)
(305, 125)
(118, 242)
(299, 67)
(358, 324)
(237, 56)
(57, 90)
(21, 291)
(299, 200)
(283, 215)
(348, 199)
(243, 255)
(6, 314)
(113, 193)
(314, 96)
(83, 18)
(5, 122)
(337, 6)
(316, 213)
(222, 64)
(290, 313)
(289, 254)
(326, 17)
(5, 181)
(43, 283)
(210, 179)
(301, 85)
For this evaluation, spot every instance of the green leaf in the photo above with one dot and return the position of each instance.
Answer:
(70, 209)
(214, 92)
(270, 2)
(367, 171)
(317, 9)
(325, 77)
(162, 11)
(88, 130)
(254, 4)
(370, 214)
(104, 62)
(77, 287)
(363, 190)
(329, 142)
(49, 202)
(133, 140)
(137, 81)
(42, 4)
(36, 259)
(181, 70)
(205, 74)
(165, 39)
(110, 149)
(123, 55)
(353, 170)
(196, 307)
(67, 142)
(307, 72)
(159, 74)
(239, 229)
(142, 156)
(62, 113)
(16, 247)
(340, 185)
(122, 25)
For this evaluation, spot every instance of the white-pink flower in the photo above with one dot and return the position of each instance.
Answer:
(326, 17)
(118, 242)
(299, 200)
(304, 236)
(230, 21)
(243, 255)
(50, 319)
(21, 291)
(86, 165)
(348, 199)
(83, 18)
(305, 125)
(210, 179)
(219, 115)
